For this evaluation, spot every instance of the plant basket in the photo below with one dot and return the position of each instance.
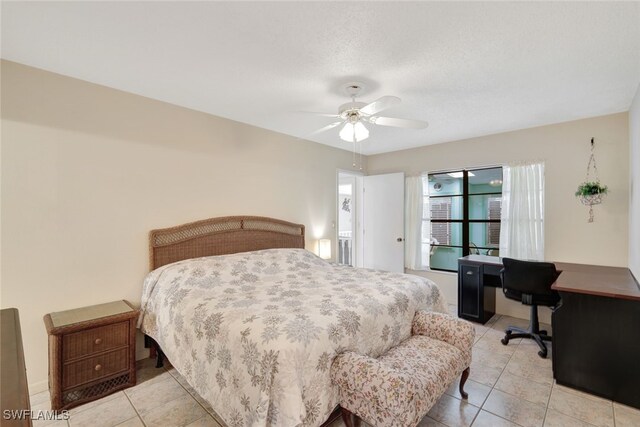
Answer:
(592, 199)
(591, 193)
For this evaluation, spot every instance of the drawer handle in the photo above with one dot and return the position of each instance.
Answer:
(469, 273)
(98, 341)
(98, 367)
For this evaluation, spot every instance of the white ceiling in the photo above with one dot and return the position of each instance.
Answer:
(469, 69)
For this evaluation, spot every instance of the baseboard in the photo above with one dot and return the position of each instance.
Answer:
(38, 387)
(448, 284)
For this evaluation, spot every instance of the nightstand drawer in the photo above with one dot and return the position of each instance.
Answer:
(94, 340)
(84, 371)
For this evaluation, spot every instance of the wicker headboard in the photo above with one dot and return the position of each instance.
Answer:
(221, 236)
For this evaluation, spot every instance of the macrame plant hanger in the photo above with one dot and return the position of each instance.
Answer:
(592, 199)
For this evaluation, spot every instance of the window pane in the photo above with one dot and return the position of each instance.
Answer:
(485, 181)
(446, 233)
(483, 235)
(444, 258)
(446, 207)
(485, 207)
(442, 184)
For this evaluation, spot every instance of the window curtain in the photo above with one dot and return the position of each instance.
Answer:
(413, 223)
(425, 233)
(522, 220)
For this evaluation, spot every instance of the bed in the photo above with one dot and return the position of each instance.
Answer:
(253, 321)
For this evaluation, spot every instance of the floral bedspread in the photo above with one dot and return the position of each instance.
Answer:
(255, 333)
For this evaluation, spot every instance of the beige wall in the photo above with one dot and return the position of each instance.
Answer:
(87, 171)
(634, 202)
(564, 148)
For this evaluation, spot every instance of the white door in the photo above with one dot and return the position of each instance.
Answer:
(384, 222)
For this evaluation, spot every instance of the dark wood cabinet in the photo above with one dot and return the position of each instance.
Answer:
(596, 340)
(14, 392)
(476, 290)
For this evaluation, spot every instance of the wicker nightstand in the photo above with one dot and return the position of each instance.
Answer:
(91, 352)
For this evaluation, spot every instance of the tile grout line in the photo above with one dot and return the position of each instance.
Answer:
(493, 387)
(485, 399)
(518, 346)
(474, 344)
(192, 397)
(462, 400)
(134, 406)
(135, 409)
(546, 410)
(571, 416)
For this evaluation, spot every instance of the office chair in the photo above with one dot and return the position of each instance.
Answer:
(530, 283)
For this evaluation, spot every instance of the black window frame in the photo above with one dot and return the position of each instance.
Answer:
(466, 221)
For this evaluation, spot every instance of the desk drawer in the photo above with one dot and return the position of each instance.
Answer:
(94, 340)
(94, 368)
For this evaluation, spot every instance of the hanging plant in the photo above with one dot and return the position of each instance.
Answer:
(589, 192)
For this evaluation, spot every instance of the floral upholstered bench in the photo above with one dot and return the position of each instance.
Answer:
(399, 387)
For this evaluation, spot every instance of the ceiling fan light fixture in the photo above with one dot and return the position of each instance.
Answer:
(358, 129)
(459, 174)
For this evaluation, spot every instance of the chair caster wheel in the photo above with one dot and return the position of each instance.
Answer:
(543, 332)
(504, 341)
(542, 354)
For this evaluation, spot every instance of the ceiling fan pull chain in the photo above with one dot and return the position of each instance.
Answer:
(354, 147)
(353, 162)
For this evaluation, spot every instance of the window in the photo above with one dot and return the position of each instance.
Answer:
(441, 231)
(494, 206)
(465, 208)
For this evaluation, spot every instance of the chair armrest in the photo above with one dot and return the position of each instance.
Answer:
(457, 332)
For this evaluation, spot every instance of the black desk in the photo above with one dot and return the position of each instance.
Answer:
(478, 276)
(596, 327)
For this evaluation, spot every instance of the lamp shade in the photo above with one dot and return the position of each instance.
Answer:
(324, 248)
(347, 132)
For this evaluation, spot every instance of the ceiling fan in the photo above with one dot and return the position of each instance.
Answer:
(354, 115)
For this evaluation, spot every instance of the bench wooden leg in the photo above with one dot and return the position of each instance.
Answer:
(350, 419)
(463, 380)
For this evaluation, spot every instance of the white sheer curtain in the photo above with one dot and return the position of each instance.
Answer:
(425, 233)
(413, 223)
(522, 221)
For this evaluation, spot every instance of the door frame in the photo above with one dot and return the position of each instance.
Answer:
(358, 215)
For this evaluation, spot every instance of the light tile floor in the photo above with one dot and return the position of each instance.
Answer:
(508, 386)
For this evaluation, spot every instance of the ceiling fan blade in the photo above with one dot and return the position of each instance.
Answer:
(399, 123)
(380, 104)
(326, 128)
